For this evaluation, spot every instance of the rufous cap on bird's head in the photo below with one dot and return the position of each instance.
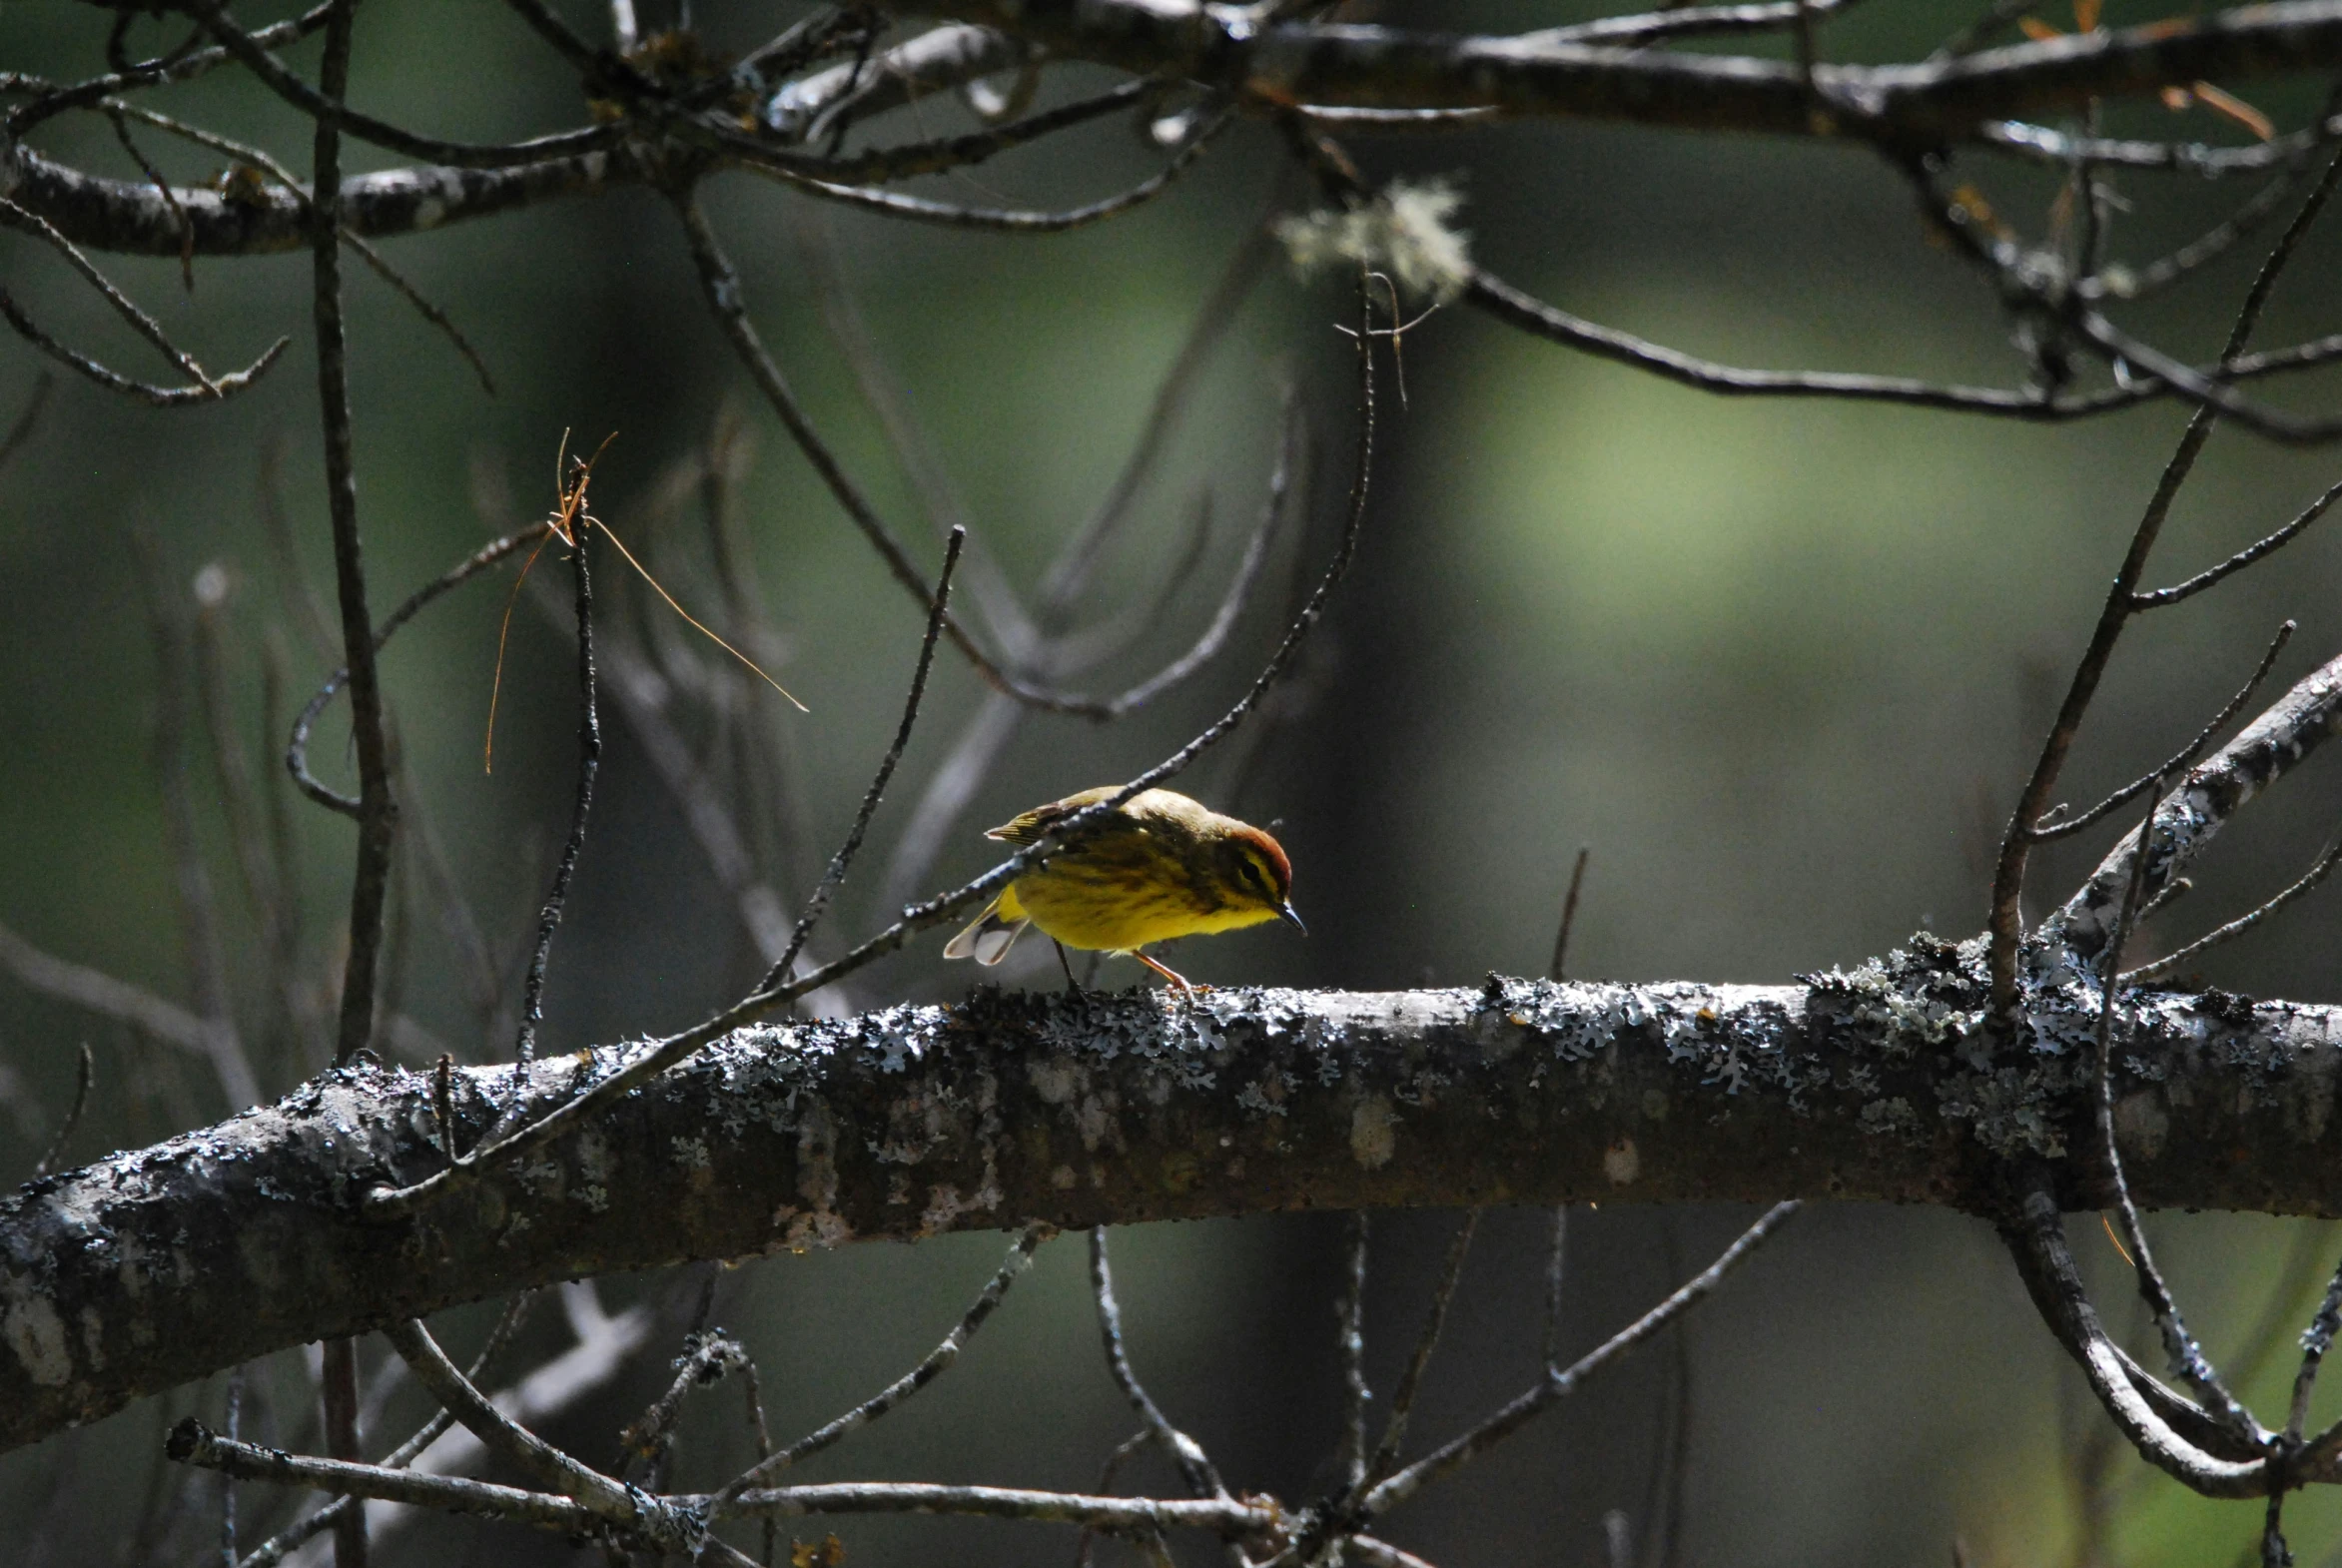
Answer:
(1256, 863)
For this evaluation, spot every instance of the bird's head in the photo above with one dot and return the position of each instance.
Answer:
(1256, 875)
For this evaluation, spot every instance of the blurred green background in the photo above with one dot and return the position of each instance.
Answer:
(1779, 664)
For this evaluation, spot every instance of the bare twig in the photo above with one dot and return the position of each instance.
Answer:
(1202, 1475)
(1402, 1399)
(297, 746)
(1453, 1455)
(1350, 1343)
(338, 1396)
(28, 418)
(377, 814)
(737, 1496)
(2267, 545)
(602, 1497)
(83, 1075)
(2192, 815)
(1008, 221)
(323, 105)
(2056, 825)
(843, 860)
(707, 1360)
(2006, 918)
(2171, 963)
(1569, 914)
(211, 390)
(144, 325)
(589, 752)
(108, 997)
(235, 1414)
(1554, 1259)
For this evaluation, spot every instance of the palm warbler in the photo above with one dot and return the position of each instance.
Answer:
(1159, 866)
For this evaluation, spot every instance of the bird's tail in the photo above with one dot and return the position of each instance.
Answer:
(989, 936)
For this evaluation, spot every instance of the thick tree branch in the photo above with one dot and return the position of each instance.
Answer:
(1881, 1084)
(1951, 98)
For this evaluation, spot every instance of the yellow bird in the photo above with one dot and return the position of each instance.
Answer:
(1158, 866)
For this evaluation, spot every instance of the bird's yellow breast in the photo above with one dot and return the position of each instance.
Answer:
(1101, 909)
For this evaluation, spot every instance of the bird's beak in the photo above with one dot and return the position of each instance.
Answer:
(1284, 912)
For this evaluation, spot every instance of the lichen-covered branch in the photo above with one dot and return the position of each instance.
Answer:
(158, 1265)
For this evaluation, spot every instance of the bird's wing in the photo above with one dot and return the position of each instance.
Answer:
(1024, 828)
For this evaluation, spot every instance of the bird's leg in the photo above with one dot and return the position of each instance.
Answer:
(1072, 985)
(1177, 979)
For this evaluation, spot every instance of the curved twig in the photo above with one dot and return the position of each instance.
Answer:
(297, 745)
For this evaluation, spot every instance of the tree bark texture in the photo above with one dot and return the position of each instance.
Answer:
(157, 1266)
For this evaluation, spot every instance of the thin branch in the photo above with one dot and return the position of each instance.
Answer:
(738, 1495)
(1202, 1475)
(2192, 815)
(1928, 103)
(1569, 914)
(2186, 1357)
(707, 1358)
(589, 754)
(1350, 1343)
(178, 66)
(2005, 919)
(297, 746)
(377, 813)
(1402, 1400)
(2171, 963)
(2037, 1239)
(1691, 21)
(192, 1443)
(83, 1073)
(913, 450)
(1222, 1516)
(211, 390)
(1012, 221)
(228, 1552)
(602, 1497)
(2145, 279)
(102, 993)
(1554, 1259)
(2055, 825)
(322, 104)
(761, 1435)
(144, 325)
(1458, 1453)
(721, 284)
(605, 1347)
(1108, 1473)
(2267, 545)
(28, 418)
(996, 723)
(338, 1397)
(843, 860)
